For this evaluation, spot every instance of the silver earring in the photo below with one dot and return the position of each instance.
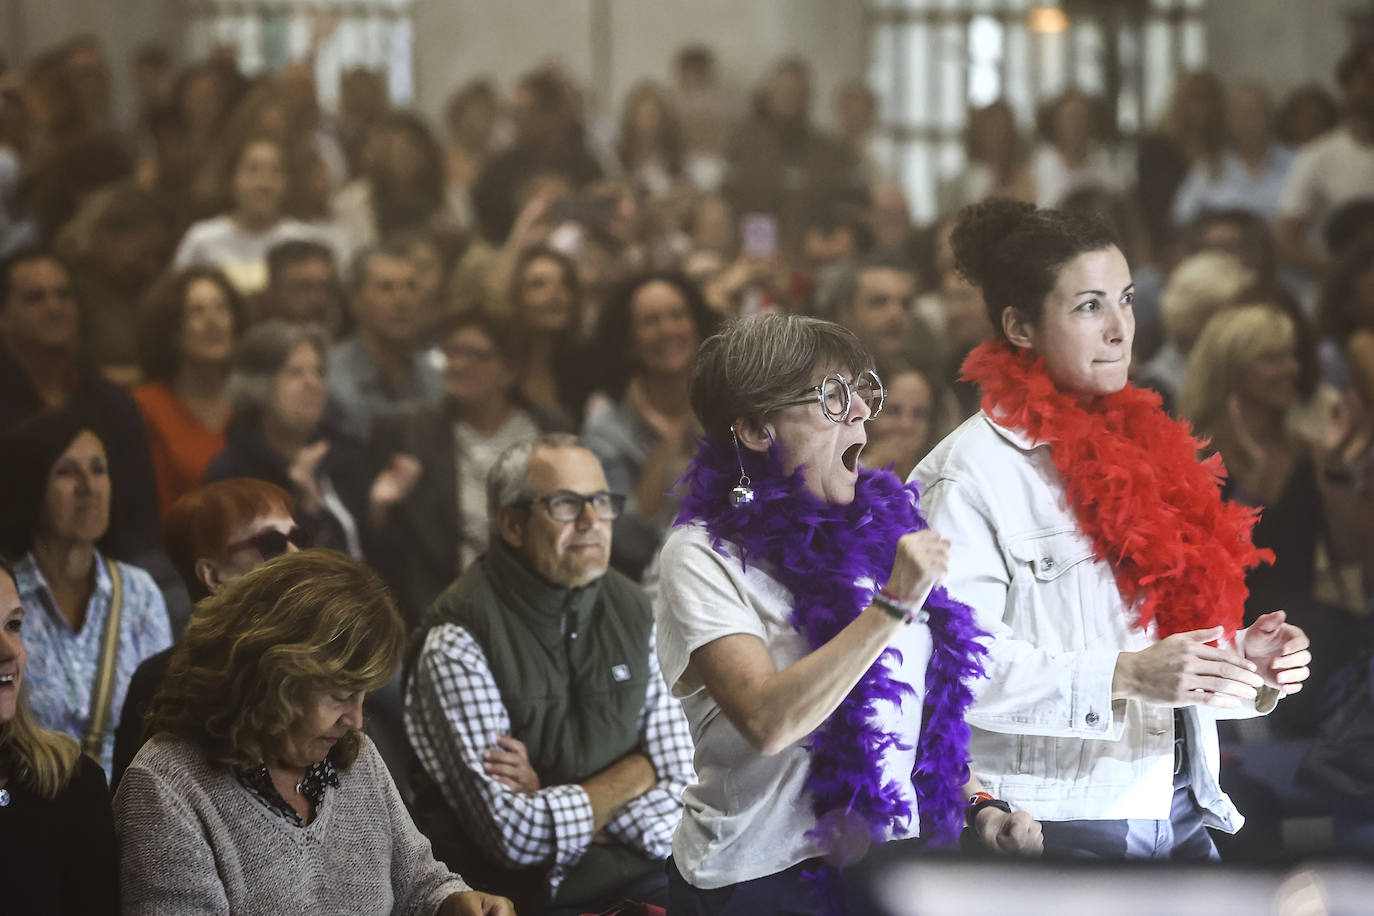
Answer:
(743, 493)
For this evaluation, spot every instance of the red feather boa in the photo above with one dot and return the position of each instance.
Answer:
(1137, 489)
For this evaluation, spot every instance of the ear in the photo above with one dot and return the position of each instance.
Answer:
(756, 437)
(208, 575)
(1017, 329)
(509, 527)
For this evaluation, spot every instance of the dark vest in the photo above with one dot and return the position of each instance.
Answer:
(572, 666)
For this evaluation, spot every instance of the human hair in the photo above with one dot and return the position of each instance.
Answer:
(200, 523)
(401, 202)
(843, 292)
(231, 162)
(42, 761)
(1256, 240)
(28, 452)
(25, 255)
(1014, 251)
(695, 58)
(508, 481)
(1198, 288)
(1353, 57)
(669, 138)
(362, 261)
(978, 119)
(1048, 113)
(754, 366)
(1286, 121)
(1273, 294)
(1339, 310)
(1210, 135)
(515, 292)
(511, 345)
(159, 332)
(292, 252)
(261, 353)
(476, 92)
(257, 649)
(1228, 345)
(1347, 224)
(614, 329)
(114, 209)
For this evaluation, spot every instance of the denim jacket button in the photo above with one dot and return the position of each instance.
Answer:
(1091, 718)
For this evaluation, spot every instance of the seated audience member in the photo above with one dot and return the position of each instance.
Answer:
(699, 106)
(876, 299)
(1074, 152)
(1248, 174)
(432, 258)
(1305, 114)
(214, 535)
(186, 340)
(237, 241)
(911, 422)
(1192, 131)
(1334, 168)
(91, 619)
(40, 367)
(471, 116)
(303, 286)
(1198, 288)
(996, 155)
(58, 838)
(1242, 234)
(649, 145)
(553, 757)
(281, 432)
(1346, 309)
(381, 366)
(429, 502)
(257, 791)
(648, 334)
(545, 300)
(117, 244)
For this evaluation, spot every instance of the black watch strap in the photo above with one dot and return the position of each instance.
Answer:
(971, 814)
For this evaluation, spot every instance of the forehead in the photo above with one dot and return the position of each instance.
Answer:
(657, 294)
(384, 266)
(38, 272)
(886, 280)
(1104, 270)
(566, 468)
(85, 445)
(471, 336)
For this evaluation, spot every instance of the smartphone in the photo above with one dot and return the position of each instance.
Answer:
(758, 234)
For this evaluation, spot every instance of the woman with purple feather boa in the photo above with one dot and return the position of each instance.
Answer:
(823, 670)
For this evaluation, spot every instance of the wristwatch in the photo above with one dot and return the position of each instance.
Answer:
(978, 802)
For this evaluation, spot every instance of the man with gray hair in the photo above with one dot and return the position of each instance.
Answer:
(381, 367)
(552, 757)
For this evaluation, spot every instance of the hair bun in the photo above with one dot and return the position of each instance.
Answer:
(979, 232)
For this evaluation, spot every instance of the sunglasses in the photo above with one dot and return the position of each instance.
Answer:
(272, 543)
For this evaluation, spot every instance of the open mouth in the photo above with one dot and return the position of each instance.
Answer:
(6, 680)
(851, 457)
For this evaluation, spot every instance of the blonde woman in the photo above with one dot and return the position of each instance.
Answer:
(55, 826)
(1241, 392)
(258, 791)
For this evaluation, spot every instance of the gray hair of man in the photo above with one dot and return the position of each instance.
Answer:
(508, 481)
(262, 352)
(362, 261)
(842, 290)
(756, 366)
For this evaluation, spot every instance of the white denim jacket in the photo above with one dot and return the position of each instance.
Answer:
(1047, 736)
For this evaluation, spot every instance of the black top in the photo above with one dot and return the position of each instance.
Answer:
(59, 855)
(129, 732)
(1291, 527)
(319, 777)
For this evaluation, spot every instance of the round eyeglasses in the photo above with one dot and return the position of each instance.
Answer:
(836, 394)
(566, 506)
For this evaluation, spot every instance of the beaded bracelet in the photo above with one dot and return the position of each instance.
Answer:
(895, 609)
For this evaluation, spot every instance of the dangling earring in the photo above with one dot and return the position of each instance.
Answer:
(743, 494)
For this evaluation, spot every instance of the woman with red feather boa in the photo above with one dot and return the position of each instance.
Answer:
(1096, 550)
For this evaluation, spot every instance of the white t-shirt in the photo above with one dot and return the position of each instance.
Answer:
(747, 815)
(220, 242)
(1330, 171)
(1055, 180)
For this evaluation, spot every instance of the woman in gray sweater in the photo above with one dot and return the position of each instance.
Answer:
(258, 791)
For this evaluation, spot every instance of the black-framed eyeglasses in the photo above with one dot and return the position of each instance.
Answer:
(835, 394)
(566, 506)
(271, 542)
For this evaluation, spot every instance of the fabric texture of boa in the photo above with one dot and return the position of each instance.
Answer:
(832, 558)
(1152, 509)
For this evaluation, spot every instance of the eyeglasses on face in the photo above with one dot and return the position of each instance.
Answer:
(272, 543)
(836, 394)
(566, 506)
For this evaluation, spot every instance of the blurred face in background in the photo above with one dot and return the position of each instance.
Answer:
(307, 292)
(789, 94)
(76, 506)
(386, 304)
(901, 434)
(1270, 380)
(1247, 118)
(13, 657)
(546, 304)
(474, 368)
(565, 554)
(41, 311)
(241, 555)
(207, 323)
(298, 391)
(663, 335)
(881, 314)
(428, 266)
(260, 183)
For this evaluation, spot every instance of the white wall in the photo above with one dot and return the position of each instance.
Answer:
(1280, 44)
(456, 40)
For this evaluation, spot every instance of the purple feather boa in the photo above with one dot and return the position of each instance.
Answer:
(831, 558)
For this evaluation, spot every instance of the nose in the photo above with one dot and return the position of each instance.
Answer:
(1114, 330)
(353, 714)
(586, 518)
(859, 410)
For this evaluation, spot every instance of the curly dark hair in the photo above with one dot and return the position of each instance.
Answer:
(613, 336)
(260, 646)
(1338, 307)
(159, 352)
(1014, 251)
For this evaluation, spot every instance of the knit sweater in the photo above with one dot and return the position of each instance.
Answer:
(192, 839)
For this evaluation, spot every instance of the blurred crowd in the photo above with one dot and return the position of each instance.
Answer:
(366, 308)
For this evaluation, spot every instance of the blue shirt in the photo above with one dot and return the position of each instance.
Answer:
(63, 662)
(1234, 187)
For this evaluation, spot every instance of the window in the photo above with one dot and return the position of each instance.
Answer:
(931, 61)
(268, 34)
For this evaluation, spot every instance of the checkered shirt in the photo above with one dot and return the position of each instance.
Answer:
(454, 713)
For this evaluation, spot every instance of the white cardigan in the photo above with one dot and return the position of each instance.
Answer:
(1047, 736)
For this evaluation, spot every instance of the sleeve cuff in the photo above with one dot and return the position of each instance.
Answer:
(1094, 715)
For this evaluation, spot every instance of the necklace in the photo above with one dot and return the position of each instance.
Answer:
(4, 798)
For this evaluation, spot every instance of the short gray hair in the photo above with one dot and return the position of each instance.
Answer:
(508, 481)
(261, 354)
(754, 366)
(842, 292)
(362, 261)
